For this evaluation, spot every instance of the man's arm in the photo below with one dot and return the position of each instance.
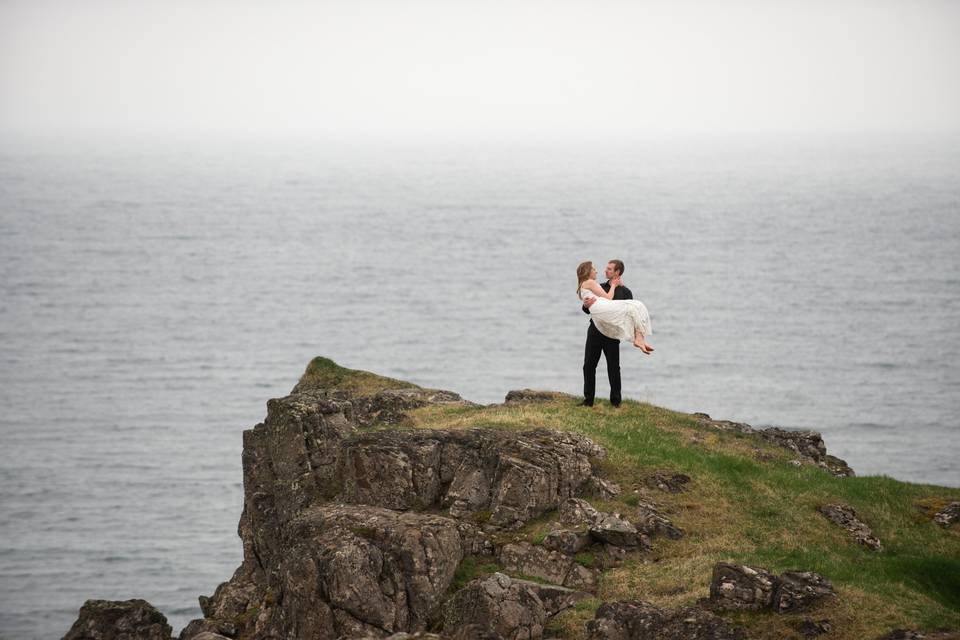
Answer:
(623, 293)
(606, 287)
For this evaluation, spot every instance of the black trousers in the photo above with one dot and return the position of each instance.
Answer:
(598, 343)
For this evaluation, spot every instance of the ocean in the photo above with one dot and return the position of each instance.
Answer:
(155, 294)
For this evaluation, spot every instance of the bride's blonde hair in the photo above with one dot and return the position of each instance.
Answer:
(583, 273)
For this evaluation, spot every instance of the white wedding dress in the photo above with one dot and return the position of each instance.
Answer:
(617, 318)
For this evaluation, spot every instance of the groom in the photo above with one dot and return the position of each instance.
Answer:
(598, 343)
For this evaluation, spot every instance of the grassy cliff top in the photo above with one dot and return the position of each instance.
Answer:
(746, 503)
(324, 373)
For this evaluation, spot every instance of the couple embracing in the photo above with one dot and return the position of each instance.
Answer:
(614, 316)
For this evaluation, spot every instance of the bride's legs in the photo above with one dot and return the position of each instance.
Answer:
(640, 342)
(639, 321)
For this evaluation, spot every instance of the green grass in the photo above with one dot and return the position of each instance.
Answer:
(630, 500)
(482, 516)
(472, 567)
(587, 604)
(585, 558)
(323, 373)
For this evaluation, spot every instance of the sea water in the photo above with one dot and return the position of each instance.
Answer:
(155, 294)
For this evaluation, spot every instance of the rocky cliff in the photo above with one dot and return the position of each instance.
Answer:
(375, 508)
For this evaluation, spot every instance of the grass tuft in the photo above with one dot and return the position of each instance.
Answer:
(324, 373)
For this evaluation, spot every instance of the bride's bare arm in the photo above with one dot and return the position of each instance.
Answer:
(597, 289)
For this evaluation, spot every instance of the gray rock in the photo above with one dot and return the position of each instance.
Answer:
(581, 578)
(554, 598)
(514, 609)
(806, 443)
(354, 570)
(534, 561)
(515, 476)
(133, 619)
(391, 405)
(475, 540)
(597, 486)
(384, 406)
(844, 516)
(800, 590)
(568, 541)
(737, 586)
(233, 597)
(354, 566)
(652, 523)
(614, 529)
(200, 626)
(552, 566)
(577, 512)
(639, 620)
(813, 628)
(948, 515)
(532, 396)
(289, 463)
(836, 466)
(667, 481)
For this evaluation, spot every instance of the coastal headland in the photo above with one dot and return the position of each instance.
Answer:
(376, 508)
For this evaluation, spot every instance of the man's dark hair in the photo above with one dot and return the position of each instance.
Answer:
(618, 265)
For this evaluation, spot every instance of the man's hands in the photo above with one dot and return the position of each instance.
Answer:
(614, 282)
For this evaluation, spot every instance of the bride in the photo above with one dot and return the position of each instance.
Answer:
(618, 319)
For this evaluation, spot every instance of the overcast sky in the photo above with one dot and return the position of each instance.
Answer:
(449, 66)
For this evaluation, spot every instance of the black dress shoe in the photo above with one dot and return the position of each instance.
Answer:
(585, 404)
(615, 405)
